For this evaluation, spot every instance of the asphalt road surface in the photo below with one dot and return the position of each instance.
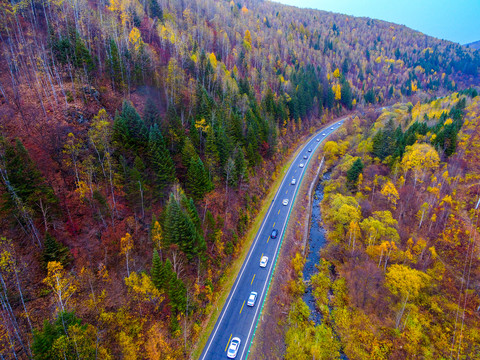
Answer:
(237, 319)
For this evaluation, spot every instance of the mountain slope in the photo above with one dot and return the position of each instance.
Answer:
(398, 276)
(474, 45)
(137, 139)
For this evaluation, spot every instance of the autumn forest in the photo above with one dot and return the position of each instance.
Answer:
(139, 138)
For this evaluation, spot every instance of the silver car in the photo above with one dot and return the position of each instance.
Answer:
(233, 348)
(264, 261)
(252, 299)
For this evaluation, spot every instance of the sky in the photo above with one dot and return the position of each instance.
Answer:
(457, 21)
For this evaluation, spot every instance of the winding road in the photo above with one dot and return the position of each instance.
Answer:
(237, 319)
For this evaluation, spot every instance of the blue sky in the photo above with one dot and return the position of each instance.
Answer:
(457, 21)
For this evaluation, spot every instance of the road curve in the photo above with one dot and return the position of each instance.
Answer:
(237, 319)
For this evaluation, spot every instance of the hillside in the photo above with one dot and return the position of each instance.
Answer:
(137, 140)
(474, 45)
(399, 276)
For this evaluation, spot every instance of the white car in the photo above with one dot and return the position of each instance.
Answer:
(332, 128)
(309, 150)
(285, 202)
(319, 139)
(323, 135)
(252, 299)
(233, 348)
(293, 182)
(301, 165)
(264, 261)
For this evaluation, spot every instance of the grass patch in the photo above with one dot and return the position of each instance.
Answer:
(232, 272)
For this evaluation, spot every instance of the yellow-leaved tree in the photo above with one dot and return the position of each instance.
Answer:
(337, 90)
(390, 192)
(331, 150)
(157, 236)
(354, 232)
(406, 283)
(420, 158)
(135, 38)
(62, 284)
(247, 40)
(126, 244)
(142, 287)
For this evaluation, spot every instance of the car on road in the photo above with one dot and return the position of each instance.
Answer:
(305, 156)
(332, 128)
(274, 234)
(285, 202)
(233, 348)
(252, 299)
(309, 150)
(323, 135)
(264, 261)
(293, 182)
(319, 139)
(301, 165)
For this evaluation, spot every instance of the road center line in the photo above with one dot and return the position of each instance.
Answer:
(242, 306)
(228, 341)
(253, 279)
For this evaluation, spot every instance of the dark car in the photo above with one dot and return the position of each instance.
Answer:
(274, 234)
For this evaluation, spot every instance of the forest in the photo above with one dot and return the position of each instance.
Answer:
(139, 138)
(398, 278)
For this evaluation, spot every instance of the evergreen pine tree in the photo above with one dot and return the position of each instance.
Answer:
(354, 171)
(172, 221)
(189, 237)
(198, 182)
(155, 10)
(240, 166)
(24, 181)
(160, 159)
(82, 58)
(346, 94)
(151, 115)
(188, 152)
(120, 131)
(166, 274)
(135, 185)
(211, 153)
(224, 146)
(156, 270)
(136, 129)
(177, 294)
(115, 67)
(54, 251)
